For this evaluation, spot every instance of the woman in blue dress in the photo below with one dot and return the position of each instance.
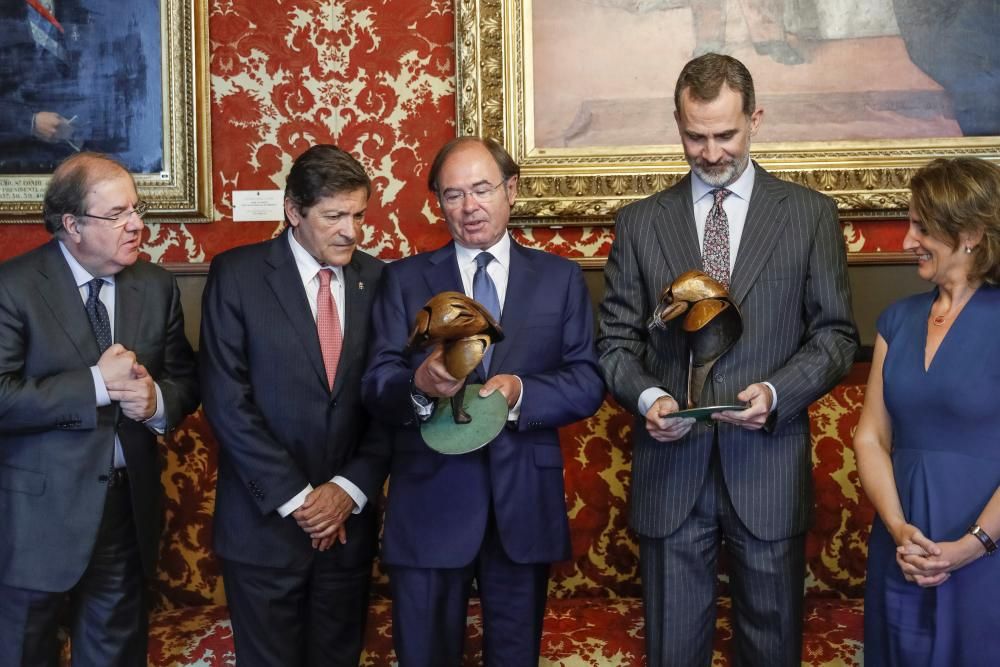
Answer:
(928, 442)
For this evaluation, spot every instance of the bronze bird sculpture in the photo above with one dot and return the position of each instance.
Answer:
(466, 330)
(712, 323)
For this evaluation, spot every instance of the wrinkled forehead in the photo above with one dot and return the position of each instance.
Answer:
(111, 186)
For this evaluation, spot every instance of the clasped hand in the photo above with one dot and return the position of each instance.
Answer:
(323, 515)
(928, 563)
(128, 382)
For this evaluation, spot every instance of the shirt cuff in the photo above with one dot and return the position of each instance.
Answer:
(158, 421)
(515, 412)
(774, 395)
(100, 389)
(648, 397)
(295, 502)
(423, 411)
(359, 498)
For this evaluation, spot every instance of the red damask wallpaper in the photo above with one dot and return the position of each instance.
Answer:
(376, 77)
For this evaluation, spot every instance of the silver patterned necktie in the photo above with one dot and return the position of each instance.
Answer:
(715, 253)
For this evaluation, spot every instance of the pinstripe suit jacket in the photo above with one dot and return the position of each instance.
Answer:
(790, 282)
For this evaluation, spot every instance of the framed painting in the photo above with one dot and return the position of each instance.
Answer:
(126, 79)
(857, 94)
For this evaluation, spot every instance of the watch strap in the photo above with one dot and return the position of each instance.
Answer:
(976, 531)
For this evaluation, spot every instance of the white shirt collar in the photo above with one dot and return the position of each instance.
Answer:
(500, 251)
(742, 187)
(80, 275)
(308, 265)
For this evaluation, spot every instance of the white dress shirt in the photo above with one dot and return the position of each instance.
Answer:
(308, 269)
(158, 422)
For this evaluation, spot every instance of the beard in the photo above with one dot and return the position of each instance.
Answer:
(723, 173)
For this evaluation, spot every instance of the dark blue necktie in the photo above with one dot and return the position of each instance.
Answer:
(485, 292)
(98, 315)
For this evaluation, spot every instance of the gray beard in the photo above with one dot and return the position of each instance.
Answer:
(726, 177)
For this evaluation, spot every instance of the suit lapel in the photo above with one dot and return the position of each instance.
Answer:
(443, 275)
(286, 284)
(60, 292)
(676, 230)
(522, 290)
(129, 310)
(357, 294)
(766, 220)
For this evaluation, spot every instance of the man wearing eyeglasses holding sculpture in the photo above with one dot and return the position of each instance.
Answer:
(497, 514)
(94, 364)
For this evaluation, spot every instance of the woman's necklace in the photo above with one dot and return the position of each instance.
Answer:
(939, 320)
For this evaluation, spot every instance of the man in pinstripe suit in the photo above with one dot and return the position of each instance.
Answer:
(744, 478)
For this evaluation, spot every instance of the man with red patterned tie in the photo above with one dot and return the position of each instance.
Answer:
(283, 344)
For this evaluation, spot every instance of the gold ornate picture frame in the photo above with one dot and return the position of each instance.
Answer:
(586, 185)
(181, 190)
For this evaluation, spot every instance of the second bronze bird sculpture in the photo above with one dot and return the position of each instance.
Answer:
(712, 323)
(466, 330)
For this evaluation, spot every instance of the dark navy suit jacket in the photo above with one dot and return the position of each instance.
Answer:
(438, 505)
(278, 424)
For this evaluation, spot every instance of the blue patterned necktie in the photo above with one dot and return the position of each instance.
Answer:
(485, 292)
(715, 255)
(98, 314)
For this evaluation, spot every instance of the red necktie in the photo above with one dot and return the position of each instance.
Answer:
(331, 336)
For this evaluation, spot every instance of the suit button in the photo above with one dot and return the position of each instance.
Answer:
(719, 377)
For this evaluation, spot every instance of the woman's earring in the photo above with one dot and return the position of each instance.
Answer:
(968, 250)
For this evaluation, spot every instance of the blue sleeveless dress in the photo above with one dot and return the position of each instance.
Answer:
(946, 461)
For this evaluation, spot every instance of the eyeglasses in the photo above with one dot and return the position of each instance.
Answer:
(140, 209)
(481, 193)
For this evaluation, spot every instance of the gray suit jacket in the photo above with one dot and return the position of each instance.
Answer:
(790, 283)
(55, 444)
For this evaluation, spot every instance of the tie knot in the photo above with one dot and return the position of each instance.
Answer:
(482, 259)
(94, 286)
(324, 275)
(721, 194)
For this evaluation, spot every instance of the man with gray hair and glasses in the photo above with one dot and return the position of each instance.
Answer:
(94, 364)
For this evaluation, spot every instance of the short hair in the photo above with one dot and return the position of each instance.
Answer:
(950, 196)
(71, 181)
(508, 168)
(703, 78)
(324, 171)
